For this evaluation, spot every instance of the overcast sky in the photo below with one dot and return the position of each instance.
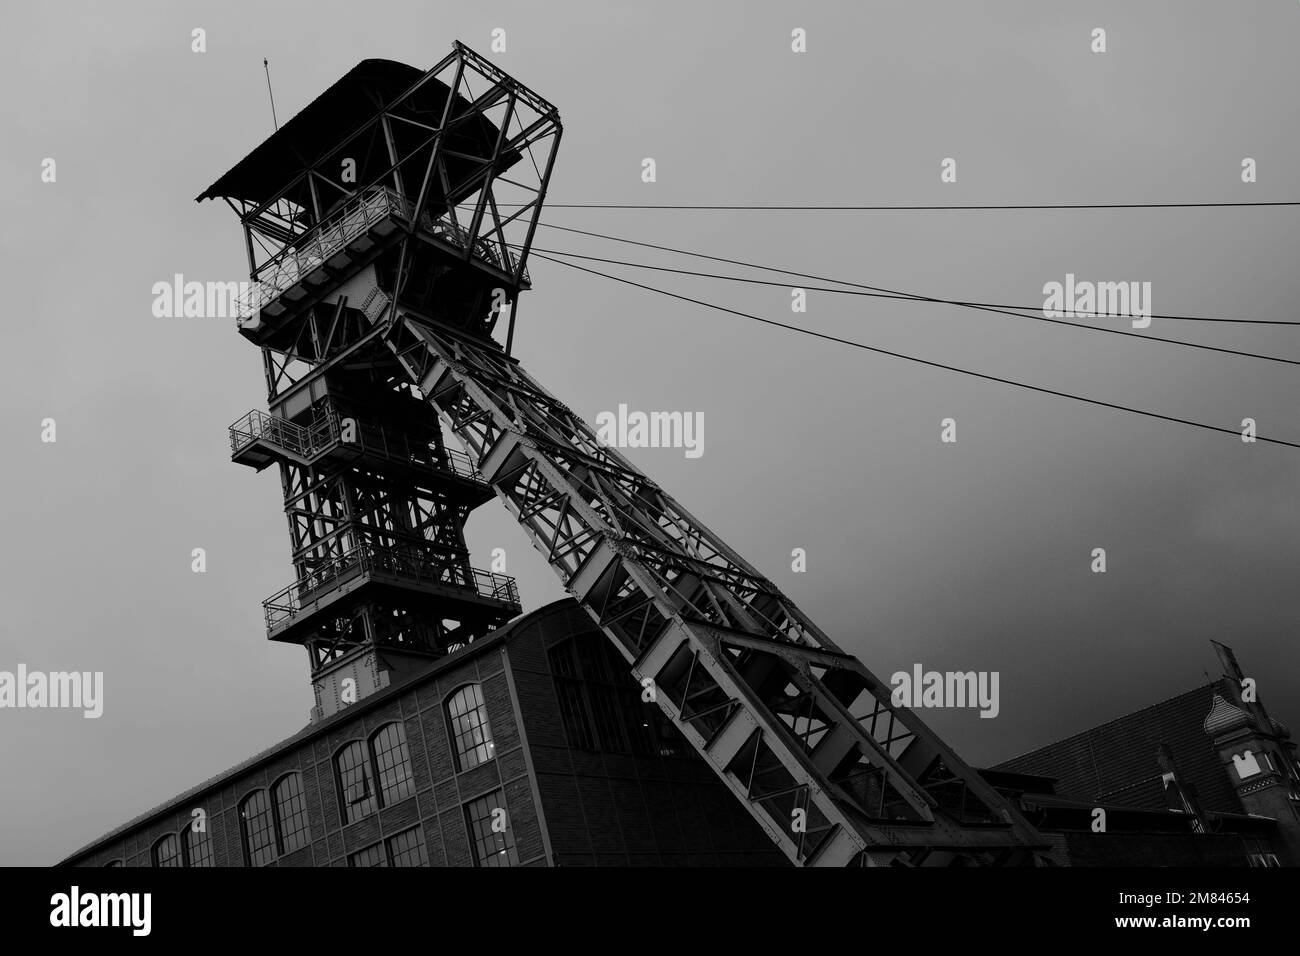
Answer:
(973, 555)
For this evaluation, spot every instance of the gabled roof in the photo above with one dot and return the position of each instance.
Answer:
(1116, 762)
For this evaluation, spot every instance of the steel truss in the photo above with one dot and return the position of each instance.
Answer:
(390, 502)
(802, 733)
(447, 181)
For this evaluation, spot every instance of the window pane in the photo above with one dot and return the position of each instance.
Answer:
(394, 762)
(467, 717)
(569, 694)
(198, 846)
(600, 703)
(258, 829)
(491, 848)
(609, 728)
(291, 808)
(167, 851)
(353, 777)
(407, 848)
(370, 856)
(593, 658)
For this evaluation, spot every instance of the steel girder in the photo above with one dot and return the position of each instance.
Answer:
(801, 732)
(333, 511)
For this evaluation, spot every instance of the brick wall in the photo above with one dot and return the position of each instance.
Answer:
(437, 804)
(616, 809)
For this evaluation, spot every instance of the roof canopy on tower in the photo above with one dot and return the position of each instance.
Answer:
(319, 129)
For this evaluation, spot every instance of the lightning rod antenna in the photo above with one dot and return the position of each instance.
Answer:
(266, 66)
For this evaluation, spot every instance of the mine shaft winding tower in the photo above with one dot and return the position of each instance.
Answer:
(387, 227)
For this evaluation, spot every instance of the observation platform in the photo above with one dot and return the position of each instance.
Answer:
(339, 247)
(259, 440)
(368, 571)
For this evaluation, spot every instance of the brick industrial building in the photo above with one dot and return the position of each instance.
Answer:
(538, 720)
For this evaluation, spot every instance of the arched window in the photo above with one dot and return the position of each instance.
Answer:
(258, 827)
(198, 847)
(355, 784)
(470, 734)
(114, 863)
(385, 758)
(392, 764)
(167, 851)
(291, 813)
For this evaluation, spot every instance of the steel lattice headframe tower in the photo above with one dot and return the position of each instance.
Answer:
(386, 226)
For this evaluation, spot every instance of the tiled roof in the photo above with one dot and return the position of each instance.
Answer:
(1115, 762)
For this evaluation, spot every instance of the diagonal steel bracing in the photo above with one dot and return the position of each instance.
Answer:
(802, 733)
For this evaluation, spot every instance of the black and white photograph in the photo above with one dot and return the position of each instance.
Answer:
(718, 437)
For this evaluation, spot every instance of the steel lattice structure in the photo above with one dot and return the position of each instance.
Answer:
(378, 311)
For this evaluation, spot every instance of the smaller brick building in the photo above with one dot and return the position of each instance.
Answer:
(528, 747)
(1205, 778)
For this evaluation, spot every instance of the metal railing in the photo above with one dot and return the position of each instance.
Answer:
(410, 565)
(381, 443)
(354, 218)
(308, 442)
(459, 237)
(285, 434)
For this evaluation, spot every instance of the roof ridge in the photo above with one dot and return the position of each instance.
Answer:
(1115, 720)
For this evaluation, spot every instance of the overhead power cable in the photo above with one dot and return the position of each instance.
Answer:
(915, 359)
(887, 207)
(907, 297)
(891, 292)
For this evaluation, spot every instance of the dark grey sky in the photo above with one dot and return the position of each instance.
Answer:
(966, 556)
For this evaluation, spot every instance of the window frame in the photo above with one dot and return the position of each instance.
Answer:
(158, 843)
(366, 764)
(409, 779)
(384, 848)
(245, 832)
(379, 847)
(373, 775)
(424, 845)
(511, 847)
(276, 819)
(489, 742)
(186, 851)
